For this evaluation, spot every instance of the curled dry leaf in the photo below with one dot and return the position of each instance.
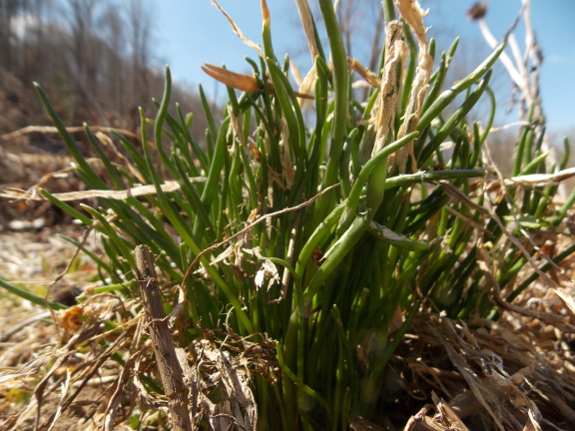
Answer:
(70, 319)
(268, 271)
(231, 79)
(384, 110)
(413, 14)
(240, 82)
(364, 72)
(306, 86)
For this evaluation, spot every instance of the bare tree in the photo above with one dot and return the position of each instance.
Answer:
(84, 47)
(115, 66)
(362, 23)
(95, 62)
(139, 20)
(9, 9)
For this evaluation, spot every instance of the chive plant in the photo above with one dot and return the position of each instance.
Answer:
(359, 231)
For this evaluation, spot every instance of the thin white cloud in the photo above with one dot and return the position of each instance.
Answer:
(560, 59)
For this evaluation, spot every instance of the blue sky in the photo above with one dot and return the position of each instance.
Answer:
(192, 32)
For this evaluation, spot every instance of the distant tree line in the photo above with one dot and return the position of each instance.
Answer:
(93, 57)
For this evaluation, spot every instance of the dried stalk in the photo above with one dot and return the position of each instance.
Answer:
(524, 73)
(164, 348)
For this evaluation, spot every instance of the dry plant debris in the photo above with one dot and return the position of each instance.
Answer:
(49, 378)
(515, 374)
(494, 376)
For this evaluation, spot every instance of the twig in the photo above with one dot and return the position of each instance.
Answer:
(525, 74)
(508, 126)
(7, 334)
(526, 234)
(511, 69)
(51, 129)
(165, 351)
(32, 195)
